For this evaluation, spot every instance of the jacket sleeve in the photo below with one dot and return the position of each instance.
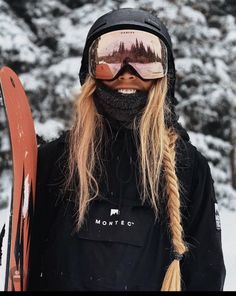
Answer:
(203, 266)
(43, 213)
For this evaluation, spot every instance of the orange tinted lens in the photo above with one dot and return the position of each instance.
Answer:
(106, 71)
(144, 51)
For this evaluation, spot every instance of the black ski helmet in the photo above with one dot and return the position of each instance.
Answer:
(130, 18)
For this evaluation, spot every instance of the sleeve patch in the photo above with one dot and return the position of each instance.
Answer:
(217, 217)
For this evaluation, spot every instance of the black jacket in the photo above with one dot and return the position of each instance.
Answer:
(121, 247)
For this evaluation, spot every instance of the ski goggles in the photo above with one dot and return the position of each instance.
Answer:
(143, 51)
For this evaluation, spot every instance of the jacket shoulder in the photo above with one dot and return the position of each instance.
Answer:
(50, 158)
(192, 168)
(189, 155)
(48, 149)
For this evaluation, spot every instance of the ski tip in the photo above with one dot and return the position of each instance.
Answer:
(6, 69)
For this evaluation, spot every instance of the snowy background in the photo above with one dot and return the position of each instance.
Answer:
(43, 42)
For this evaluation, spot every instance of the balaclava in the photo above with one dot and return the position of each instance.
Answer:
(122, 108)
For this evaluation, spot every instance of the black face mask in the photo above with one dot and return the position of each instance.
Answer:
(123, 108)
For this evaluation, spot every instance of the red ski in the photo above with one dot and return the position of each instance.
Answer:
(24, 157)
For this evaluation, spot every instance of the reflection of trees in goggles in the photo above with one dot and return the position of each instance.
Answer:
(137, 53)
(145, 52)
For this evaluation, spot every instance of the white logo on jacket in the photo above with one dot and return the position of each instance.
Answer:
(114, 212)
(118, 222)
(114, 223)
(217, 217)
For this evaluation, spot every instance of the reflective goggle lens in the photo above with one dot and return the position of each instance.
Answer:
(145, 52)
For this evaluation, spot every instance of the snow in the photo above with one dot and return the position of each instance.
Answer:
(200, 140)
(26, 196)
(5, 194)
(73, 36)
(221, 70)
(216, 151)
(184, 65)
(193, 15)
(229, 23)
(214, 33)
(218, 52)
(65, 67)
(231, 37)
(49, 130)
(31, 81)
(129, 4)
(13, 37)
(228, 222)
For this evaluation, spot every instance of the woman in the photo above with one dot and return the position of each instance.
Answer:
(124, 200)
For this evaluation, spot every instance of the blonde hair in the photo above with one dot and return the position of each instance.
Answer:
(156, 153)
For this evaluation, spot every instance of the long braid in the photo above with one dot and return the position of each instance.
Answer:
(172, 279)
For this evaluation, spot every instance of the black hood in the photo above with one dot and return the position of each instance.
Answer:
(130, 18)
